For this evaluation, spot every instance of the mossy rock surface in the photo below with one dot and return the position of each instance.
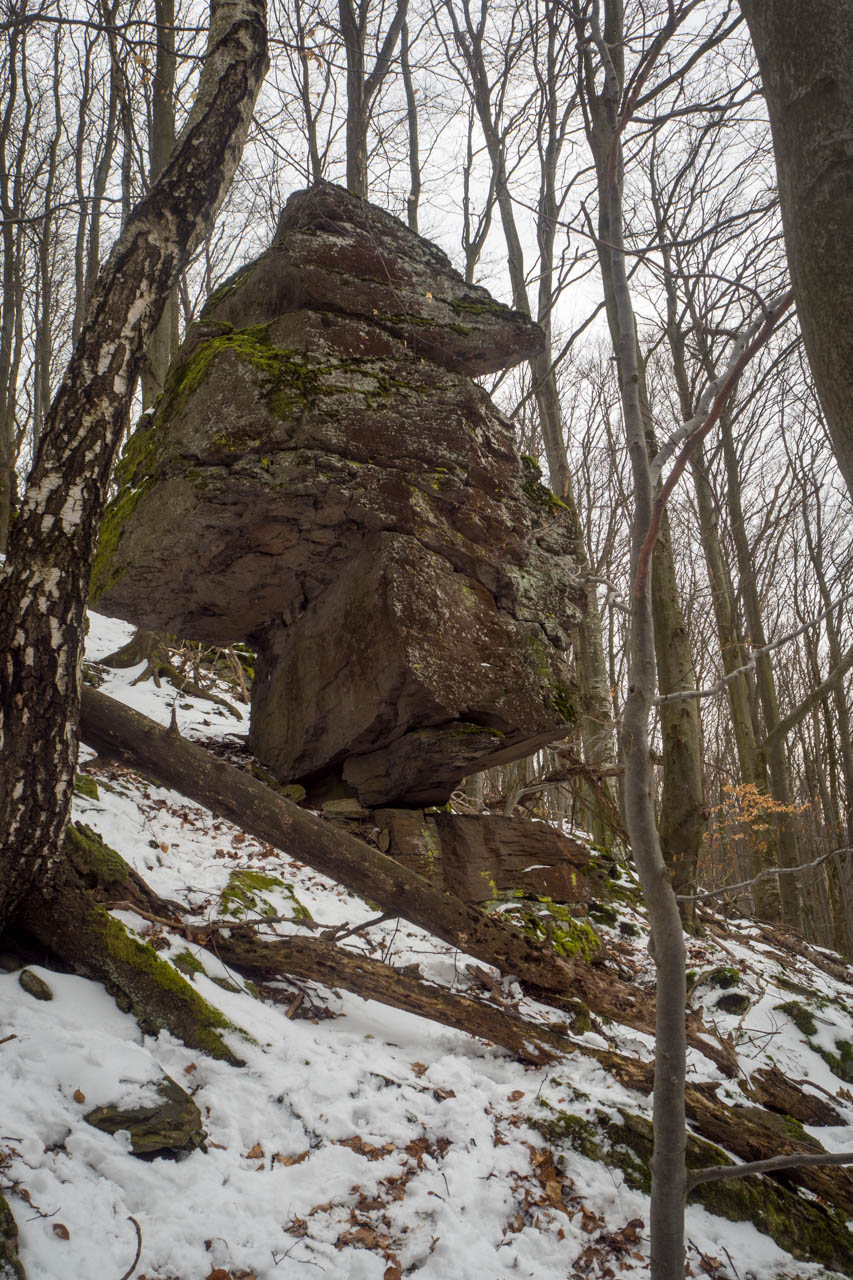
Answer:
(804, 1227)
(171, 1125)
(244, 895)
(554, 923)
(318, 421)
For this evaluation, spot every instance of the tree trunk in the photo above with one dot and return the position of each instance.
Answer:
(774, 749)
(164, 340)
(44, 587)
(669, 1170)
(763, 854)
(803, 49)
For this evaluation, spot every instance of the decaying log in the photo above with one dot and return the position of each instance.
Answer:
(750, 1133)
(324, 962)
(75, 926)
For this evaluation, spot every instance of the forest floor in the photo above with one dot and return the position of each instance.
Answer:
(357, 1142)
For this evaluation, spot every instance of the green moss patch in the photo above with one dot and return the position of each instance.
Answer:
(551, 922)
(538, 494)
(92, 857)
(105, 574)
(604, 913)
(802, 1018)
(85, 785)
(187, 963)
(723, 977)
(840, 1062)
(244, 894)
(807, 1229)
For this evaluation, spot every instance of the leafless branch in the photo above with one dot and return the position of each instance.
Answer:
(683, 695)
(797, 1160)
(771, 873)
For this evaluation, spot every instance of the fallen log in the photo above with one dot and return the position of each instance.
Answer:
(334, 967)
(748, 1132)
(74, 923)
(113, 729)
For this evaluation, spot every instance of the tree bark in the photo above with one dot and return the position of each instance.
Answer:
(318, 961)
(164, 340)
(363, 87)
(803, 49)
(44, 584)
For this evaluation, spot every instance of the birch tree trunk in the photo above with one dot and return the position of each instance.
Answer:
(44, 583)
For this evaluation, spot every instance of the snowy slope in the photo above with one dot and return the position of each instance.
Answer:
(366, 1145)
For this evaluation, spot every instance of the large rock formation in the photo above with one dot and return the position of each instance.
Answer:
(323, 479)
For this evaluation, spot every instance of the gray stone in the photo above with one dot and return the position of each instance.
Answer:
(481, 856)
(172, 1125)
(335, 252)
(34, 985)
(386, 679)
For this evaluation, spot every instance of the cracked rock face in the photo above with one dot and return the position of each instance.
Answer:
(322, 478)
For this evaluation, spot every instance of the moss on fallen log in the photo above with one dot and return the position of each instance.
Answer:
(71, 922)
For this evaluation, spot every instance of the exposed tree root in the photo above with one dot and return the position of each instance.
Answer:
(152, 648)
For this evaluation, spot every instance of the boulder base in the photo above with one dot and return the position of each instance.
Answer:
(404, 678)
(480, 856)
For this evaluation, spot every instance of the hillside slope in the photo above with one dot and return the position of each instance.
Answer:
(358, 1141)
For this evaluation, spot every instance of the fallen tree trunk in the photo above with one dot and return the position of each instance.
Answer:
(113, 729)
(324, 962)
(748, 1132)
(75, 924)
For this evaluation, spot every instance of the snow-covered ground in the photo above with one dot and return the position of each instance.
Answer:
(367, 1145)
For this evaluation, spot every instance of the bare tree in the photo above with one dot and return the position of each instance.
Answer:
(363, 85)
(45, 578)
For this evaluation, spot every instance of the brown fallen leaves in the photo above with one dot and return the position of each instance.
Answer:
(368, 1226)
